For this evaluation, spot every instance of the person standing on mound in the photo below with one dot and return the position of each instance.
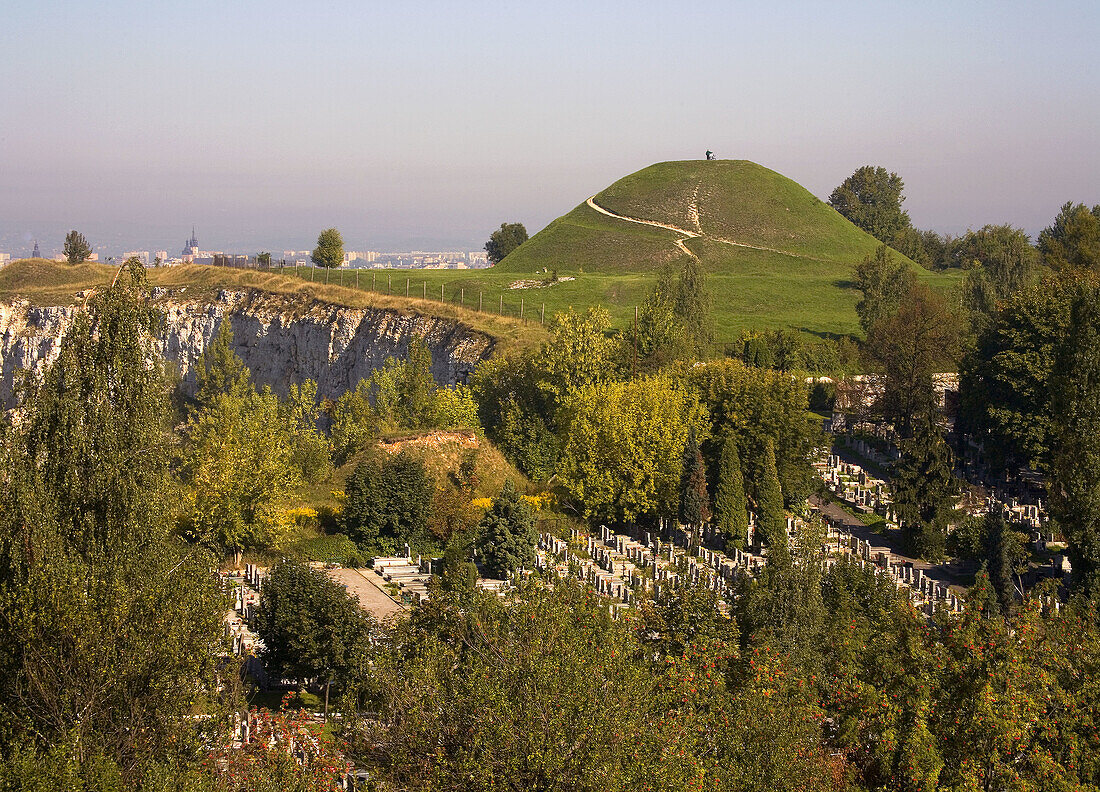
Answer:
(710, 155)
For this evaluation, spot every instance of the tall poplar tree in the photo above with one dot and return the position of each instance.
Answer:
(730, 505)
(769, 504)
(1075, 396)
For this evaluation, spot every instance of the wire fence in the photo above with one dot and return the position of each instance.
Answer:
(401, 285)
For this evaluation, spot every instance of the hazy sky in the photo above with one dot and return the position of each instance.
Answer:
(426, 124)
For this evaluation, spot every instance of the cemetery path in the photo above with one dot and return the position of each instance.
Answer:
(942, 573)
(686, 234)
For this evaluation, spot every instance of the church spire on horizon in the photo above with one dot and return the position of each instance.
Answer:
(36, 253)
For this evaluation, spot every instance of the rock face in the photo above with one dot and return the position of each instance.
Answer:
(283, 340)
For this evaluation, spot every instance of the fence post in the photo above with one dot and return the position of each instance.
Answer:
(542, 314)
(521, 307)
(406, 287)
(311, 269)
(357, 277)
(479, 295)
(462, 296)
(502, 303)
(389, 282)
(326, 274)
(441, 292)
(374, 281)
(425, 285)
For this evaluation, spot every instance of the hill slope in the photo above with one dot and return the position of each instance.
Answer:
(777, 255)
(739, 204)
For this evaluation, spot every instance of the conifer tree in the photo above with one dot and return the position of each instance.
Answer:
(730, 504)
(769, 503)
(694, 503)
(508, 535)
(77, 248)
(924, 490)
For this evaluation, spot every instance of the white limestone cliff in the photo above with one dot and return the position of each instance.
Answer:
(283, 340)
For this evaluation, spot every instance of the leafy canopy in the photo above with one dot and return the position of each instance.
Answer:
(330, 249)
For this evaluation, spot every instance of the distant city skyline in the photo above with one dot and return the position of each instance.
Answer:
(424, 125)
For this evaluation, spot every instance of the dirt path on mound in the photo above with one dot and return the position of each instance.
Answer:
(686, 234)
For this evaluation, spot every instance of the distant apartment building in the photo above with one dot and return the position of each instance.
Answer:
(5, 258)
(161, 256)
(140, 255)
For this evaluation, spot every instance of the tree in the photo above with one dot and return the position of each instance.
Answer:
(758, 405)
(694, 502)
(220, 370)
(1075, 395)
(1072, 241)
(264, 259)
(909, 347)
(1000, 260)
(239, 465)
(885, 282)
(503, 241)
(77, 248)
(624, 445)
(330, 249)
(416, 387)
(871, 198)
(694, 307)
(924, 493)
(579, 354)
(1004, 381)
(109, 631)
(1004, 550)
(772, 519)
(508, 534)
(388, 502)
(730, 504)
(311, 626)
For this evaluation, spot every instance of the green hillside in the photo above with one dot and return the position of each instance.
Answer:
(738, 204)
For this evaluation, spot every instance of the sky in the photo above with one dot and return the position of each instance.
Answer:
(424, 125)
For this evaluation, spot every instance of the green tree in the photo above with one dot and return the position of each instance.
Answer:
(885, 283)
(219, 370)
(109, 630)
(694, 501)
(416, 386)
(924, 493)
(1001, 260)
(623, 448)
(1004, 381)
(77, 248)
(579, 354)
(311, 627)
(508, 534)
(330, 249)
(1075, 468)
(758, 405)
(388, 502)
(871, 198)
(1072, 241)
(311, 451)
(353, 422)
(263, 259)
(909, 347)
(504, 240)
(772, 519)
(694, 307)
(238, 465)
(730, 504)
